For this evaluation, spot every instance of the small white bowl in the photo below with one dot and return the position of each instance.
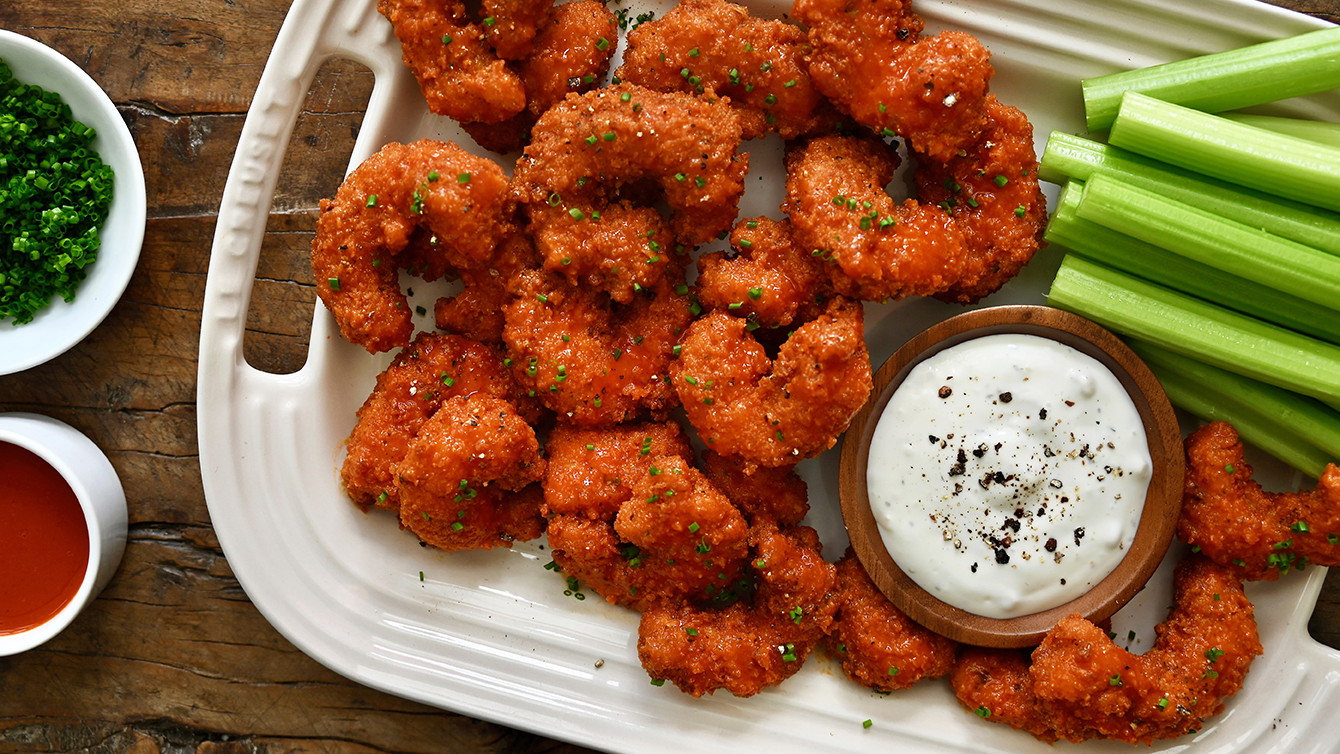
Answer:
(59, 326)
(103, 500)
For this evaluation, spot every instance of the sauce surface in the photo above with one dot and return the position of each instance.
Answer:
(43, 541)
(1008, 473)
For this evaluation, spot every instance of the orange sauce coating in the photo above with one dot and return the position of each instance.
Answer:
(43, 541)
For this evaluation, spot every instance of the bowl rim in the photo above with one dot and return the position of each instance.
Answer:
(51, 440)
(60, 326)
(1157, 522)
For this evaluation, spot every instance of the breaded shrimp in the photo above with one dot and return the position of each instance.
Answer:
(991, 190)
(433, 369)
(1081, 686)
(459, 480)
(459, 72)
(755, 642)
(1256, 534)
(589, 359)
(776, 495)
(766, 278)
(476, 312)
(716, 49)
(977, 220)
(583, 182)
(869, 58)
(631, 518)
(774, 413)
(590, 470)
(571, 54)
(434, 193)
(879, 646)
(876, 248)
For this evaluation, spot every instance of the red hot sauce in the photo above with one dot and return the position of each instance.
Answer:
(43, 541)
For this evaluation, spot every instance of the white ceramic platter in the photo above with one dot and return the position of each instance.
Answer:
(492, 635)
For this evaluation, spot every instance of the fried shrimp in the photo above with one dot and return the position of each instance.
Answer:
(590, 469)
(571, 54)
(879, 646)
(756, 642)
(589, 359)
(428, 196)
(584, 177)
(767, 495)
(715, 48)
(978, 218)
(460, 74)
(876, 249)
(634, 521)
(870, 59)
(476, 312)
(511, 26)
(774, 413)
(766, 278)
(991, 189)
(433, 369)
(1081, 686)
(1257, 534)
(459, 478)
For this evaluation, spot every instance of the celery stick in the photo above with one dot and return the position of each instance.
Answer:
(1117, 250)
(1219, 242)
(1248, 156)
(1300, 431)
(1252, 75)
(1223, 338)
(1303, 128)
(1077, 158)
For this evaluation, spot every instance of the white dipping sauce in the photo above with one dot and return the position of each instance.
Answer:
(1007, 474)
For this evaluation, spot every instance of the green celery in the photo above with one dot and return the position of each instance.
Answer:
(1286, 166)
(1210, 239)
(1076, 158)
(1218, 336)
(1298, 430)
(1303, 128)
(1122, 252)
(1245, 76)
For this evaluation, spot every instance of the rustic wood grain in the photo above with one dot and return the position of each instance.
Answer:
(173, 657)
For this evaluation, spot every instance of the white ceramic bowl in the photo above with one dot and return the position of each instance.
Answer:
(59, 326)
(101, 497)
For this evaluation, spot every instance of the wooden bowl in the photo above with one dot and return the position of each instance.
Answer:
(1158, 519)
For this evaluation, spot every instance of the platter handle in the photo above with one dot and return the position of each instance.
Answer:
(1304, 691)
(313, 33)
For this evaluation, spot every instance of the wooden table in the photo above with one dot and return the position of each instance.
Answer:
(173, 655)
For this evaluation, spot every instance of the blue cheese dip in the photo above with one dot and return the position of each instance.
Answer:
(1007, 474)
